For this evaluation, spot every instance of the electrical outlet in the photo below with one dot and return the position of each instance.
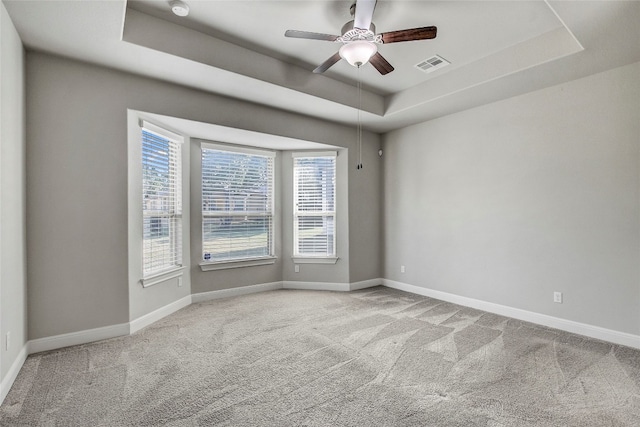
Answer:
(8, 341)
(179, 282)
(557, 297)
(296, 268)
(402, 269)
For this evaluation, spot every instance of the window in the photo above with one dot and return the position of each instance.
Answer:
(161, 200)
(314, 207)
(237, 203)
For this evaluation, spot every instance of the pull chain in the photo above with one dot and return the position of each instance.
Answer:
(359, 128)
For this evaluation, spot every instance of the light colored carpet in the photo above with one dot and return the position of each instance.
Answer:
(376, 357)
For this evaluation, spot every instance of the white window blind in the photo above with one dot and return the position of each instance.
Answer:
(237, 203)
(161, 200)
(314, 210)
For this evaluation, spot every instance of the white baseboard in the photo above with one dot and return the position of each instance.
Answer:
(75, 338)
(234, 292)
(149, 318)
(316, 286)
(262, 287)
(355, 286)
(596, 332)
(13, 372)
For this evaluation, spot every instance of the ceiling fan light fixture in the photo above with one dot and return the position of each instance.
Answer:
(179, 8)
(358, 52)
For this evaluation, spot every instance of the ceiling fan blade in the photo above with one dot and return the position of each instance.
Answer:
(364, 13)
(327, 64)
(409, 35)
(309, 35)
(381, 64)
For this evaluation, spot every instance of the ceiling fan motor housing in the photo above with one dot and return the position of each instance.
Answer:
(349, 26)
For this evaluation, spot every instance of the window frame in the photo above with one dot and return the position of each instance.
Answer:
(305, 258)
(175, 216)
(209, 265)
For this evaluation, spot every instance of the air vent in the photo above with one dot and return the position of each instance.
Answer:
(431, 64)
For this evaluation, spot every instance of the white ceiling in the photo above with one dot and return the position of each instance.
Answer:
(260, 26)
(497, 49)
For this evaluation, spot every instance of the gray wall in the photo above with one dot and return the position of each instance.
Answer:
(13, 285)
(77, 170)
(77, 199)
(511, 201)
(365, 198)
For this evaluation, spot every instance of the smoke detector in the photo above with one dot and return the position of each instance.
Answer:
(179, 8)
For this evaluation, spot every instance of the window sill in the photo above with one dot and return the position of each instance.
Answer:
(314, 260)
(223, 265)
(161, 277)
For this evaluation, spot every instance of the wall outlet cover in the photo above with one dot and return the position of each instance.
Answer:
(557, 297)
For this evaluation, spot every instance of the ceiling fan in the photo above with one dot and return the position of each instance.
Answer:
(359, 39)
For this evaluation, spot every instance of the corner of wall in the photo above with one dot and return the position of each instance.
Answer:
(13, 275)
